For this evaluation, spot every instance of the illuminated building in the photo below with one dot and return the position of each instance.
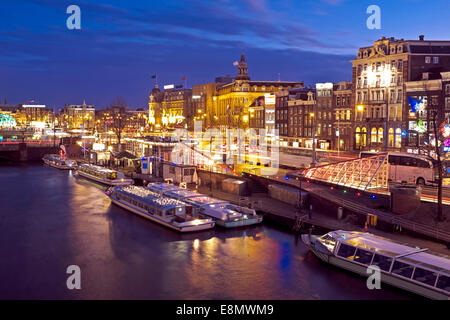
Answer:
(167, 108)
(342, 117)
(425, 97)
(232, 100)
(324, 115)
(77, 117)
(379, 98)
(257, 113)
(301, 117)
(201, 108)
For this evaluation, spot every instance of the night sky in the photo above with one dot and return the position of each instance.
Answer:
(122, 43)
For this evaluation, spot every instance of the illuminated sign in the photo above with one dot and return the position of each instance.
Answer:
(33, 105)
(269, 99)
(7, 121)
(416, 105)
(195, 97)
(322, 86)
(169, 86)
(98, 147)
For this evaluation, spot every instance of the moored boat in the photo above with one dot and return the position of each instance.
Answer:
(103, 175)
(225, 214)
(150, 205)
(59, 162)
(409, 268)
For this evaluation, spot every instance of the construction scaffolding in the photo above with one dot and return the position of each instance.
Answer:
(368, 173)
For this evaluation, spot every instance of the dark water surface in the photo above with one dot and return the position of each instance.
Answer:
(50, 220)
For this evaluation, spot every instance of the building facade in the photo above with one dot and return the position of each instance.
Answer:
(343, 117)
(379, 98)
(77, 117)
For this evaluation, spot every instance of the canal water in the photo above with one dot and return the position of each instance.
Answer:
(50, 220)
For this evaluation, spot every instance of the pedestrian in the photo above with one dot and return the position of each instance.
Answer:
(310, 232)
(366, 227)
(310, 212)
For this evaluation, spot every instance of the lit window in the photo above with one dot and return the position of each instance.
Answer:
(427, 60)
(435, 60)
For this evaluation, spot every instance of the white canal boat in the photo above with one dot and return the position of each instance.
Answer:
(412, 269)
(103, 175)
(59, 162)
(150, 205)
(225, 214)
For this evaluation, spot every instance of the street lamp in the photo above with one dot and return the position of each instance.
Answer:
(313, 117)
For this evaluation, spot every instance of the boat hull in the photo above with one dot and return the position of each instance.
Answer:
(239, 223)
(111, 183)
(141, 213)
(61, 167)
(361, 270)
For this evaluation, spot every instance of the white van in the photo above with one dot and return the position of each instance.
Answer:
(409, 168)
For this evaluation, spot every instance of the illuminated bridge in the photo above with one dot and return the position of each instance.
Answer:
(367, 174)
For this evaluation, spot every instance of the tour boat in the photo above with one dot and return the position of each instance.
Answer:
(103, 175)
(56, 161)
(225, 214)
(150, 205)
(409, 268)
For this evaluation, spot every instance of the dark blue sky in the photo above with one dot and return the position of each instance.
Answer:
(122, 43)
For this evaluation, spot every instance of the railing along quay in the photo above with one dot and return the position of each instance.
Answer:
(404, 223)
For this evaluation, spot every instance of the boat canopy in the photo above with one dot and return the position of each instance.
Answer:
(182, 194)
(202, 200)
(152, 198)
(161, 187)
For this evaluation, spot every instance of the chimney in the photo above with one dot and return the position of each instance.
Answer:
(421, 37)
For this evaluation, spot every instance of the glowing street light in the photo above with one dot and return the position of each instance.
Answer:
(360, 108)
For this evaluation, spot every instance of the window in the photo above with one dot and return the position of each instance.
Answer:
(172, 169)
(427, 60)
(391, 137)
(394, 160)
(422, 163)
(358, 137)
(435, 60)
(402, 269)
(373, 136)
(346, 251)
(384, 263)
(408, 161)
(363, 256)
(443, 282)
(380, 135)
(398, 138)
(425, 276)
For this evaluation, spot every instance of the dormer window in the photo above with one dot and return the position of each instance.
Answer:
(392, 50)
(400, 49)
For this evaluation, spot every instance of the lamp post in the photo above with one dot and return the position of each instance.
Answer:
(313, 117)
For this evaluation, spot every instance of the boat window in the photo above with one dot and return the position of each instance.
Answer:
(402, 269)
(425, 276)
(384, 263)
(363, 256)
(346, 251)
(328, 241)
(443, 282)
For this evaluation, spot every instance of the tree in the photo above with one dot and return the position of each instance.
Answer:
(438, 125)
(118, 112)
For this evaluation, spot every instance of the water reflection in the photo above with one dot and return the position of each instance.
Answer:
(49, 219)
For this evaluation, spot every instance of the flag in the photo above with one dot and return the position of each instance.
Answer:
(154, 76)
(184, 78)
